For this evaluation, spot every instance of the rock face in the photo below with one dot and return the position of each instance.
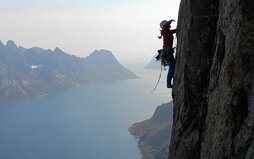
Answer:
(154, 133)
(213, 81)
(35, 72)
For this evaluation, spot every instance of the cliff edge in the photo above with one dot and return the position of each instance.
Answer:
(213, 81)
(154, 134)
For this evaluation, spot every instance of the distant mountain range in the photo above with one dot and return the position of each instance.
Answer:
(34, 72)
(154, 134)
(153, 64)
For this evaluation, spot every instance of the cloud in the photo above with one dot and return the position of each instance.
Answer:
(35, 66)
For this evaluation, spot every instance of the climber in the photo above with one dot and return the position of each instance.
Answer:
(168, 50)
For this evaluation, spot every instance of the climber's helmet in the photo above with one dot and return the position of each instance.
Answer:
(165, 22)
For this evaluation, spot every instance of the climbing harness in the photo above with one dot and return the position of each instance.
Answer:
(163, 56)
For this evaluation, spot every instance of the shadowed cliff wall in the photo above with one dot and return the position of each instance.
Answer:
(213, 112)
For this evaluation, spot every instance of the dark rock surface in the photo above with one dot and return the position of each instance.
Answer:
(213, 81)
(154, 134)
(35, 72)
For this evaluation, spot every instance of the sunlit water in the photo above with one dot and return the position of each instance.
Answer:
(90, 122)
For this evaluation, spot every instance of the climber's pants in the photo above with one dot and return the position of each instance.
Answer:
(171, 65)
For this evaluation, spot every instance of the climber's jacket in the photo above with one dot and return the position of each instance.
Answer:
(167, 34)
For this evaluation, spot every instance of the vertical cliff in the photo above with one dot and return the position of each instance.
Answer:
(213, 81)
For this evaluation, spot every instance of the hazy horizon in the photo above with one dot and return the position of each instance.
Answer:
(127, 28)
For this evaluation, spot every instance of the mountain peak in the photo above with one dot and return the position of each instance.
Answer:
(1, 44)
(102, 53)
(37, 50)
(11, 44)
(58, 50)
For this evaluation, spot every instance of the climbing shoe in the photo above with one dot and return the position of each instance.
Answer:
(169, 86)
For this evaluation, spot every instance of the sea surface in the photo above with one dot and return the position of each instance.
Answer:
(90, 122)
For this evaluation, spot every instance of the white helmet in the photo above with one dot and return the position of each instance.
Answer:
(163, 23)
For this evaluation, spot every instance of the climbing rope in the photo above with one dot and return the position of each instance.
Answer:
(158, 79)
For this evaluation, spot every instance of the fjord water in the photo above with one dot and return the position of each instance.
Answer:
(90, 122)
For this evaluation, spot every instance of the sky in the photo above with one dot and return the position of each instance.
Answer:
(128, 28)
